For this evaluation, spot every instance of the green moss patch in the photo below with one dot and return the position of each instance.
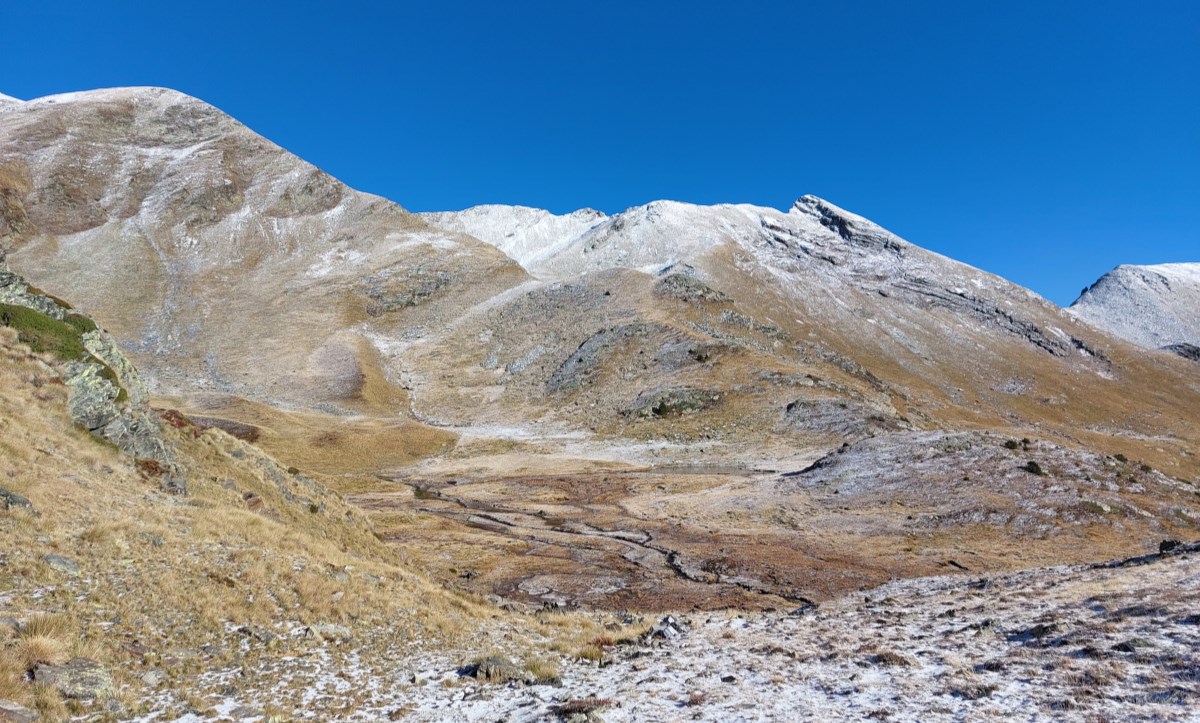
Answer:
(64, 339)
(45, 334)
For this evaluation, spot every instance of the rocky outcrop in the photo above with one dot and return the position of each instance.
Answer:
(662, 403)
(1187, 351)
(106, 395)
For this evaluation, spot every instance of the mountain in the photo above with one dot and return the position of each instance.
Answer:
(792, 415)
(1157, 307)
(227, 267)
(551, 383)
(754, 303)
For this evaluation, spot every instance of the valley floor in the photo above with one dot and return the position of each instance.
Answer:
(1086, 643)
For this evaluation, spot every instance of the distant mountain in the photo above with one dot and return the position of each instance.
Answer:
(229, 267)
(1157, 307)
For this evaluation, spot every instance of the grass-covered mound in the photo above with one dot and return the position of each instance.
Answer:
(45, 334)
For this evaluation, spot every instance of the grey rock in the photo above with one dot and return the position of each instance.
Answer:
(262, 635)
(245, 711)
(686, 287)
(494, 669)
(102, 346)
(78, 678)
(153, 678)
(668, 628)
(62, 564)
(331, 632)
(12, 712)
(91, 398)
(10, 500)
(1190, 352)
(672, 402)
(577, 370)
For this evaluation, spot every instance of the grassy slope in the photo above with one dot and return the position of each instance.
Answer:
(162, 577)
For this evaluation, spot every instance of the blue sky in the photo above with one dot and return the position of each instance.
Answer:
(1043, 141)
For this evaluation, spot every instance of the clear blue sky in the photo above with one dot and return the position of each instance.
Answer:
(1044, 141)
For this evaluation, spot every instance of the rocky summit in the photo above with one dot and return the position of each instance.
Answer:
(1157, 307)
(274, 449)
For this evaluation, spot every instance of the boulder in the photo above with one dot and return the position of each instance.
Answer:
(12, 500)
(62, 564)
(77, 678)
(92, 399)
(494, 669)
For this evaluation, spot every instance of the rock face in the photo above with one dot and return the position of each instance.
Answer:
(1157, 307)
(106, 395)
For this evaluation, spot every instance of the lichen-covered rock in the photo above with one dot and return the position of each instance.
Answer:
(105, 394)
(139, 434)
(78, 678)
(102, 346)
(14, 290)
(92, 399)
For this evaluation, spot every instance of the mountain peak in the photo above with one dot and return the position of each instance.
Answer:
(849, 226)
(1153, 306)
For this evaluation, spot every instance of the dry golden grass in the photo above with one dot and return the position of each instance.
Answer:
(542, 670)
(32, 650)
(173, 574)
(324, 443)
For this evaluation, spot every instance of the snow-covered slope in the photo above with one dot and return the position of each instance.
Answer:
(528, 235)
(658, 235)
(1153, 306)
(7, 100)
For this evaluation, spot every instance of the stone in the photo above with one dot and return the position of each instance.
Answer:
(331, 632)
(494, 669)
(12, 500)
(262, 635)
(12, 712)
(62, 564)
(92, 399)
(102, 346)
(78, 678)
(666, 629)
(245, 711)
(661, 403)
(153, 677)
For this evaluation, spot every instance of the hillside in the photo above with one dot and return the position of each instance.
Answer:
(1157, 307)
(128, 578)
(295, 451)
